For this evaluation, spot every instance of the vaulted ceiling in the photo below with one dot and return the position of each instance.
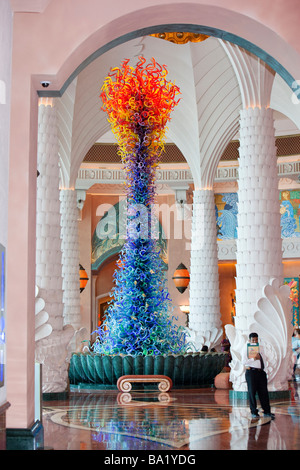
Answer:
(216, 80)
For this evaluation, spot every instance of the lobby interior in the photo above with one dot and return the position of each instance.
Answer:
(221, 68)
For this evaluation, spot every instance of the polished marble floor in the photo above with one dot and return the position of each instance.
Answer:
(180, 420)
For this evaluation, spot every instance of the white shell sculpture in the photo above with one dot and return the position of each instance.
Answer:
(273, 323)
(51, 348)
(210, 338)
(237, 343)
(42, 328)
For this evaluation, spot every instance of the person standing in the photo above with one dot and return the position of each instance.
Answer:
(256, 377)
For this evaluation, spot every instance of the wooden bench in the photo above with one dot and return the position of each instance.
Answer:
(124, 383)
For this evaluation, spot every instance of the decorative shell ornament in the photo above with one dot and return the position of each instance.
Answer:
(210, 338)
(51, 349)
(42, 328)
(273, 323)
(237, 343)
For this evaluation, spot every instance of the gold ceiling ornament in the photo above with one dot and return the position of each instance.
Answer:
(181, 38)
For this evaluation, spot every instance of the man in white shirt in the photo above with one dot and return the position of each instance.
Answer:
(256, 377)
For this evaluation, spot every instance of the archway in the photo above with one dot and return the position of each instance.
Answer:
(233, 26)
(48, 61)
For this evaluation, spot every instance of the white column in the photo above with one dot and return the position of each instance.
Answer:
(70, 257)
(259, 244)
(204, 318)
(51, 350)
(262, 302)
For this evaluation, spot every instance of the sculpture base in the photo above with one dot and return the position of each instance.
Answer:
(184, 370)
(125, 382)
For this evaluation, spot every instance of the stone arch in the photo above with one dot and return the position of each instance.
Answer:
(228, 32)
(218, 22)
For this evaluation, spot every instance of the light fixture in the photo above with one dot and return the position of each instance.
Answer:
(181, 278)
(185, 308)
(83, 278)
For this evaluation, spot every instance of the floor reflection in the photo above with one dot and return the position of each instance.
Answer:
(176, 420)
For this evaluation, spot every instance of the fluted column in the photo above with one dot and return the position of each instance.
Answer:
(204, 318)
(259, 244)
(70, 257)
(262, 301)
(51, 350)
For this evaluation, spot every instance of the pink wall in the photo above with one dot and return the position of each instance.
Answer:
(5, 78)
(273, 26)
(50, 45)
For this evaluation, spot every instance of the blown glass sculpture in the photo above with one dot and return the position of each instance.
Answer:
(138, 101)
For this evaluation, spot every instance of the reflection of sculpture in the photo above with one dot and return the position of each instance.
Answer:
(125, 398)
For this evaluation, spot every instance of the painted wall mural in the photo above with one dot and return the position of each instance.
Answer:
(227, 209)
(293, 283)
(108, 238)
(226, 215)
(290, 212)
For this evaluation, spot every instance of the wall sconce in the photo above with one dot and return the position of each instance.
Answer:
(83, 278)
(185, 308)
(181, 278)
